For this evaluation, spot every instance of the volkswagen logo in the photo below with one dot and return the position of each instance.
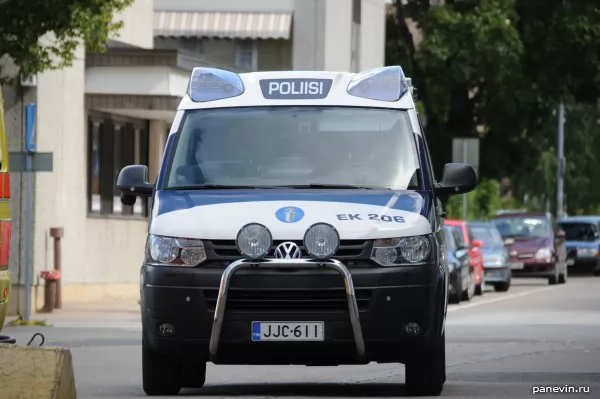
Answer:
(288, 250)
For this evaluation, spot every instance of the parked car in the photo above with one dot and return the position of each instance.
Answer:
(582, 235)
(535, 244)
(496, 263)
(462, 274)
(472, 245)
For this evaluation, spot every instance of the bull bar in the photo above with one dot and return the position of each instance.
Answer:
(331, 264)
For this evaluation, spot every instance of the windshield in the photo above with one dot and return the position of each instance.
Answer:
(281, 146)
(523, 227)
(579, 231)
(488, 236)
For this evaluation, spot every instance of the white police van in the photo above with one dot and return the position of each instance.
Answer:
(295, 220)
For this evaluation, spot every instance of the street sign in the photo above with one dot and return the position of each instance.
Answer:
(40, 161)
(466, 150)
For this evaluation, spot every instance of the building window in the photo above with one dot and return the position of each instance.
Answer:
(113, 143)
(245, 55)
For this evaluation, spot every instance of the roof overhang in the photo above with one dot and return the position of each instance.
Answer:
(223, 25)
(147, 84)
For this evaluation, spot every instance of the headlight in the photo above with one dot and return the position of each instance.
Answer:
(321, 241)
(254, 241)
(397, 251)
(544, 254)
(172, 251)
(584, 252)
(451, 267)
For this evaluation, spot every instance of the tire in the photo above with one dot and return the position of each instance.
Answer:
(194, 374)
(502, 287)
(468, 294)
(554, 279)
(426, 375)
(458, 292)
(161, 375)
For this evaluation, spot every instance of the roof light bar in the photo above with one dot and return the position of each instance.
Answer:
(211, 84)
(380, 84)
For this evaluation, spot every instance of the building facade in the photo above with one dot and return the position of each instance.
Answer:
(113, 109)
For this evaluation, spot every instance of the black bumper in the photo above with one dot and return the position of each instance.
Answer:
(387, 298)
(584, 265)
(535, 270)
(497, 274)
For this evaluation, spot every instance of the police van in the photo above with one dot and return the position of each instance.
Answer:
(295, 220)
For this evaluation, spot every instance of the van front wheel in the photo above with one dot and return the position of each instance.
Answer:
(426, 374)
(161, 375)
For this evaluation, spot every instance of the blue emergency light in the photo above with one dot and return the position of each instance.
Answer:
(210, 84)
(380, 84)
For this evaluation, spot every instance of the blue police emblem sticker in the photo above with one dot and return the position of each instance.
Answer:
(289, 214)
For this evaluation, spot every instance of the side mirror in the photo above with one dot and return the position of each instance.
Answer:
(477, 244)
(133, 182)
(457, 178)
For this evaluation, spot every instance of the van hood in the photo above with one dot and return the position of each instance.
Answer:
(288, 213)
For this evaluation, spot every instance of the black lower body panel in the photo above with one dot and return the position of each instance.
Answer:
(388, 299)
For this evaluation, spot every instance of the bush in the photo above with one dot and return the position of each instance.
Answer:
(482, 203)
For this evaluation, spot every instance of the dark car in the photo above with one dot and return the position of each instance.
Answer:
(582, 234)
(496, 263)
(462, 274)
(535, 244)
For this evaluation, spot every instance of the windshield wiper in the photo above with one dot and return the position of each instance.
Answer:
(216, 187)
(340, 186)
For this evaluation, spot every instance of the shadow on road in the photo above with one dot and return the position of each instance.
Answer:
(297, 390)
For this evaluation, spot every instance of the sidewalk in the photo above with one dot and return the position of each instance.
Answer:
(106, 314)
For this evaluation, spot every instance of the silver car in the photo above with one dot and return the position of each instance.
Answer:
(496, 264)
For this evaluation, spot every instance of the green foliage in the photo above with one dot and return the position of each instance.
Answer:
(25, 29)
(498, 69)
(482, 203)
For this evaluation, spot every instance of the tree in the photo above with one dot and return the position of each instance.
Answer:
(498, 69)
(25, 29)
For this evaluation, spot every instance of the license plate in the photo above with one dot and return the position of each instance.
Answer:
(570, 262)
(287, 331)
(517, 265)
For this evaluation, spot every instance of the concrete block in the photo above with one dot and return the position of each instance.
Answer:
(30, 372)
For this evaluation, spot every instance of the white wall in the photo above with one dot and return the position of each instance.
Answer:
(94, 250)
(372, 42)
(147, 80)
(338, 35)
(138, 28)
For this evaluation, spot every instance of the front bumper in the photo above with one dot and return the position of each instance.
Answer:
(365, 311)
(497, 274)
(583, 264)
(531, 268)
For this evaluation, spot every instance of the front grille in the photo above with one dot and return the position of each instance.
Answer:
(288, 300)
(349, 249)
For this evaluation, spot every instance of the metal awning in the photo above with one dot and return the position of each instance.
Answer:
(224, 25)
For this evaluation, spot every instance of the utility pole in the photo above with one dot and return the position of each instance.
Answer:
(561, 162)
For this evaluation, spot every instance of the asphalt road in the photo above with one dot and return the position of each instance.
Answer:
(499, 346)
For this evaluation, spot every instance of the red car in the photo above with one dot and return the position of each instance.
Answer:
(475, 254)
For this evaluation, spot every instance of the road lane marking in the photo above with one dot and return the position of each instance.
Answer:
(506, 297)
